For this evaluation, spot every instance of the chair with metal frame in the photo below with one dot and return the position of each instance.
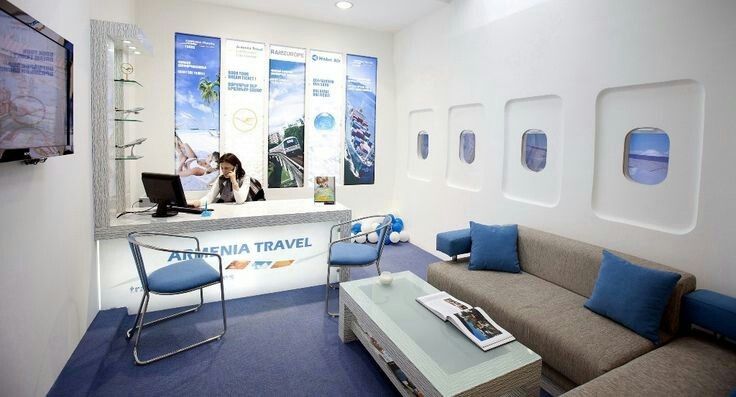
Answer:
(177, 278)
(345, 254)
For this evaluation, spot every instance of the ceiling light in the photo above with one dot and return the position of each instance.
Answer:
(126, 41)
(344, 5)
(131, 48)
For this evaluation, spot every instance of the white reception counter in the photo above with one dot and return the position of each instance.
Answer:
(266, 246)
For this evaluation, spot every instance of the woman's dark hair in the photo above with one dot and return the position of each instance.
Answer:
(235, 162)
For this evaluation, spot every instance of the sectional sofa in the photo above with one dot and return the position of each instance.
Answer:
(543, 308)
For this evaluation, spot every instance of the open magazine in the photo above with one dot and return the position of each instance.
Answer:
(471, 321)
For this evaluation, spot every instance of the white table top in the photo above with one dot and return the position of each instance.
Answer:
(229, 216)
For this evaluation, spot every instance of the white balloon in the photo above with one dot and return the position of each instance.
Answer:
(394, 237)
(375, 226)
(373, 238)
(365, 227)
(360, 239)
(404, 236)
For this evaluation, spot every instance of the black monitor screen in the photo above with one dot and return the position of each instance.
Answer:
(164, 189)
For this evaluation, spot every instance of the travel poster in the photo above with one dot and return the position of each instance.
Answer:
(197, 110)
(286, 117)
(244, 103)
(324, 189)
(325, 107)
(360, 120)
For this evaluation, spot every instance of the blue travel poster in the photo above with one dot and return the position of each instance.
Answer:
(197, 110)
(648, 156)
(360, 120)
(286, 117)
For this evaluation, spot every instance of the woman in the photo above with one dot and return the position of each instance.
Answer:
(233, 186)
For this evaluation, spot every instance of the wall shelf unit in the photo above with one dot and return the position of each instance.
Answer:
(114, 118)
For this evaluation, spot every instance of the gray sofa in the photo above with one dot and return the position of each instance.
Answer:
(543, 305)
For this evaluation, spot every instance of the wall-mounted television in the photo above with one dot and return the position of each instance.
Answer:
(35, 88)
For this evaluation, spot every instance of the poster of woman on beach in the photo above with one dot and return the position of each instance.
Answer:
(197, 110)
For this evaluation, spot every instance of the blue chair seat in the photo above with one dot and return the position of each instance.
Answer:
(351, 254)
(182, 276)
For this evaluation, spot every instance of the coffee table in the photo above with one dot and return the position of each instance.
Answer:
(435, 358)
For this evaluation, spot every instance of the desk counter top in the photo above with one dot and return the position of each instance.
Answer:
(229, 216)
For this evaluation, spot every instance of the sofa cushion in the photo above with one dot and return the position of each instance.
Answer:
(711, 310)
(545, 317)
(632, 295)
(493, 247)
(689, 366)
(574, 265)
(455, 242)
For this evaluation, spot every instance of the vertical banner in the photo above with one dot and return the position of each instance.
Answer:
(286, 117)
(244, 103)
(197, 109)
(360, 120)
(324, 121)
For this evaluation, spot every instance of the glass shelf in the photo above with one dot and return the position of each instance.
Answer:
(129, 158)
(128, 81)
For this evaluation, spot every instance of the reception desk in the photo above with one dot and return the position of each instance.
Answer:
(266, 246)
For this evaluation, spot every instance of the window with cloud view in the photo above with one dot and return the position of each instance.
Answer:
(423, 145)
(647, 156)
(467, 146)
(534, 150)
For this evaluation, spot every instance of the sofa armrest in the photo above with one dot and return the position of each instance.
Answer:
(454, 243)
(710, 310)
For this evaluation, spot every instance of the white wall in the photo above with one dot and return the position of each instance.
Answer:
(160, 20)
(47, 275)
(483, 51)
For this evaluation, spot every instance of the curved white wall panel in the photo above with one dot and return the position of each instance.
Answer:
(460, 174)
(675, 107)
(519, 183)
(418, 168)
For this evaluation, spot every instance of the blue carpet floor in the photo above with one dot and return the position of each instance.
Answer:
(277, 344)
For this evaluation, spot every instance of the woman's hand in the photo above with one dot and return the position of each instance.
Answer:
(194, 203)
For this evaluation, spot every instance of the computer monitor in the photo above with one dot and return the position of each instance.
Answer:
(164, 190)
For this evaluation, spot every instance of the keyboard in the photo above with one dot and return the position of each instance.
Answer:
(190, 210)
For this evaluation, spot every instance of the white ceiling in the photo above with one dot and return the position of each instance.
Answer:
(384, 15)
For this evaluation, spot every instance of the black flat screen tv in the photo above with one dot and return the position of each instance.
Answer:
(35, 88)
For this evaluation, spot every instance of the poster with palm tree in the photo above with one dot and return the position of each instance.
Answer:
(197, 110)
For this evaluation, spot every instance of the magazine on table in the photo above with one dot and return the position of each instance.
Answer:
(471, 321)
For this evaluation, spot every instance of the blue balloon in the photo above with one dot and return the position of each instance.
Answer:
(386, 240)
(393, 218)
(397, 226)
(356, 228)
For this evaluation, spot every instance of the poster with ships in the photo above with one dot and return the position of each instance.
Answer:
(286, 117)
(324, 120)
(197, 110)
(244, 103)
(360, 120)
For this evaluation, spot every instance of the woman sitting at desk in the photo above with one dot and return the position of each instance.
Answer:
(233, 186)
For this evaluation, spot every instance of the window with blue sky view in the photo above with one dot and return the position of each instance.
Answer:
(647, 155)
(467, 146)
(423, 145)
(534, 150)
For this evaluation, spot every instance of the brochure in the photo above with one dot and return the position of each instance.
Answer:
(471, 321)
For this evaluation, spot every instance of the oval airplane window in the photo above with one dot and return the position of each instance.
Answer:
(534, 150)
(467, 146)
(423, 145)
(647, 156)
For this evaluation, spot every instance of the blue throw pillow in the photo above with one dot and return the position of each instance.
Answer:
(632, 295)
(494, 248)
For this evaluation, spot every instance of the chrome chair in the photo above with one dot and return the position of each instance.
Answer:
(346, 254)
(177, 278)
